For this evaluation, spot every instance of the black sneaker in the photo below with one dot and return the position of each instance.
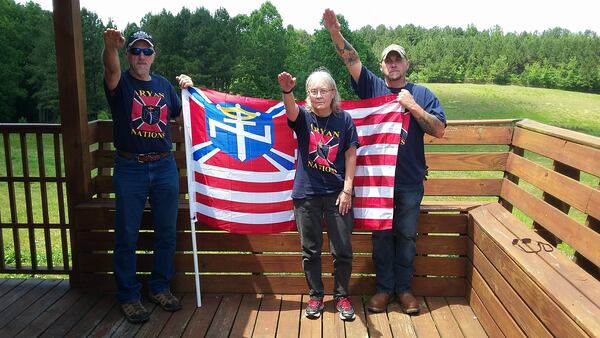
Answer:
(135, 312)
(166, 301)
(314, 308)
(344, 307)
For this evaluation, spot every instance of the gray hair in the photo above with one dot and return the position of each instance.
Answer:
(322, 74)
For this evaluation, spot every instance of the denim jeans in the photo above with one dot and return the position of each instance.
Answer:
(134, 184)
(308, 213)
(394, 250)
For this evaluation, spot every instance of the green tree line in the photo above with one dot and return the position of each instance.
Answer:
(243, 55)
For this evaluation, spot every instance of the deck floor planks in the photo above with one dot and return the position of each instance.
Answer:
(178, 321)
(289, 316)
(225, 315)
(333, 326)
(245, 318)
(468, 322)
(9, 313)
(9, 284)
(70, 318)
(378, 324)
(27, 316)
(268, 316)
(201, 319)
(443, 317)
(92, 317)
(17, 292)
(400, 323)
(48, 311)
(423, 322)
(109, 324)
(52, 313)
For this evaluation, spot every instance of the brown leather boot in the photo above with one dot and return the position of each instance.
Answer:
(379, 301)
(409, 303)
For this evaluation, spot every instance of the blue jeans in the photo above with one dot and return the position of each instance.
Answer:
(309, 213)
(394, 250)
(134, 184)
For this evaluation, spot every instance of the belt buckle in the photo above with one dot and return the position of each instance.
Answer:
(139, 158)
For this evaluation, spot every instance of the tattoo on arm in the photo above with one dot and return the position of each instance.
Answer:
(347, 53)
(428, 123)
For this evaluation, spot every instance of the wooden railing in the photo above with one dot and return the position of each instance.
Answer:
(34, 227)
(272, 263)
(547, 176)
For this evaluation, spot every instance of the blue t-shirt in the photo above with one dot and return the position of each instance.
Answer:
(141, 111)
(410, 163)
(322, 143)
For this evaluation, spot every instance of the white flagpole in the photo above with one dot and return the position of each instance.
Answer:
(187, 128)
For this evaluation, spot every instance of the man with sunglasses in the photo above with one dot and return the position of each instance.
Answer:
(394, 249)
(141, 104)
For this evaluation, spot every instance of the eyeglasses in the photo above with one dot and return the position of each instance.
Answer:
(315, 92)
(137, 51)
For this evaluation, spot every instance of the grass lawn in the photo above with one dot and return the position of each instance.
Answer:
(570, 110)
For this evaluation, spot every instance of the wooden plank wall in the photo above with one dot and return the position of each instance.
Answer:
(272, 263)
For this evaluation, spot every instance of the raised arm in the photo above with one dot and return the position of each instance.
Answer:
(287, 84)
(342, 47)
(113, 41)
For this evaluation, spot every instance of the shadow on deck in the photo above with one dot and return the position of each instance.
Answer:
(50, 308)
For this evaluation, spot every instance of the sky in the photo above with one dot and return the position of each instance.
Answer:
(510, 15)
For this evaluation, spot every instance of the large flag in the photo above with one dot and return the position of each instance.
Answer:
(241, 161)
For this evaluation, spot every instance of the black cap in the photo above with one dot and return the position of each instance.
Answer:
(140, 35)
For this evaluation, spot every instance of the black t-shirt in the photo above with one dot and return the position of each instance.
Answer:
(322, 143)
(141, 111)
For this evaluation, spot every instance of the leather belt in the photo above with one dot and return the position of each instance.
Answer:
(149, 157)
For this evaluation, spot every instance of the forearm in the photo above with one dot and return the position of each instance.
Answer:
(350, 159)
(348, 54)
(429, 123)
(110, 59)
(291, 108)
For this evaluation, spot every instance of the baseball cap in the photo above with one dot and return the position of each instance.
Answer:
(140, 35)
(393, 48)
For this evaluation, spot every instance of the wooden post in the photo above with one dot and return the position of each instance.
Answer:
(74, 122)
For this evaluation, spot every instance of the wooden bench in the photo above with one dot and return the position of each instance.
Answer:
(525, 285)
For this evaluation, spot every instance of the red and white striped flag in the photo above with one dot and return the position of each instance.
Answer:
(241, 161)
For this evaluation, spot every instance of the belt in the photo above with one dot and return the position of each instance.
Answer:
(149, 157)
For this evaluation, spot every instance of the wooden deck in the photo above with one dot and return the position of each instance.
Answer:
(49, 308)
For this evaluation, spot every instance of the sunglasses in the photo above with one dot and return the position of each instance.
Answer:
(137, 51)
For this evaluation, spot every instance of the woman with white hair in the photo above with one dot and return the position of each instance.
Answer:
(327, 143)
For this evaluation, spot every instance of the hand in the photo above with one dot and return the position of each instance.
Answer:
(406, 99)
(286, 81)
(344, 202)
(184, 81)
(113, 38)
(330, 21)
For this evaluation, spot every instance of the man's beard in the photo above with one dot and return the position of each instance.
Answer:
(394, 77)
